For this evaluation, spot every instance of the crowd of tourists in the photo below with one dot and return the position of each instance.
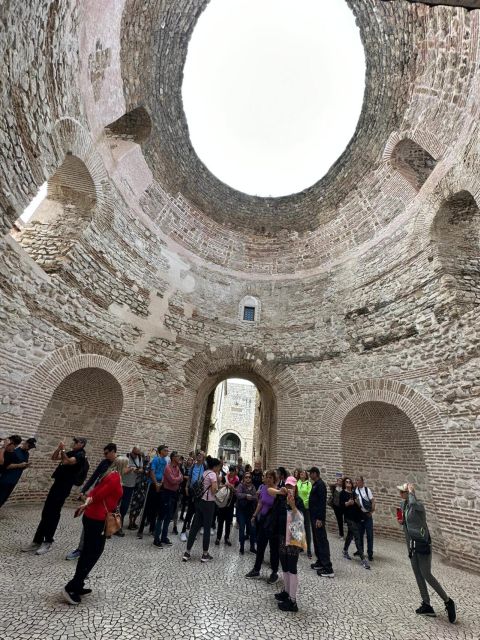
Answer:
(271, 508)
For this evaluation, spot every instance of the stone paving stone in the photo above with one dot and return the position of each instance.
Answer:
(139, 590)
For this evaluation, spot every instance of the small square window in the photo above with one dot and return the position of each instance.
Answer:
(249, 313)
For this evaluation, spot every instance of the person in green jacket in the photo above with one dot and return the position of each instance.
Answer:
(414, 520)
(304, 486)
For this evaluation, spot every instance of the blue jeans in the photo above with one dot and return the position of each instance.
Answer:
(246, 531)
(366, 526)
(166, 501)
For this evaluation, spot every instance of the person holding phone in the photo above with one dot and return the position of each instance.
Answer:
(15, 461)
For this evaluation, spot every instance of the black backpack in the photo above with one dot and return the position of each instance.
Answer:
(82, 472)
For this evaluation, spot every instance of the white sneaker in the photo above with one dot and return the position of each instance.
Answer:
(201, 531)
(183, 537)
(33, 546)
(44, 548)
(212, 532)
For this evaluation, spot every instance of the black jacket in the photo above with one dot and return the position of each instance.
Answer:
(318, 501)
(99, 471)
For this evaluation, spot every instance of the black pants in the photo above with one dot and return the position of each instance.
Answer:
(204, 511)
(322, 548)
(225, 516)
(339, 516)
(265, 537)
(59, 492)
(190, 513)
(93, 546)
(353, 533)
(5, 492)
(289, 561)
(184, 505)
(149, 510)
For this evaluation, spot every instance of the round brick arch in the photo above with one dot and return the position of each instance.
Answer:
(71, 358)
(276, 384)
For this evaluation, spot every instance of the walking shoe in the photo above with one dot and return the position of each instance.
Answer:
(425, 610)
(365, 564)
(315, 566)
(325, 574)
(84, 592)
(167, 542)
(73, 555)
(273, 578)
(288, 605)
(33, 546)
(282, 596)
(175, 531)
(451, 611)
(157, 543)
(186, 556)
(206, 557)
(217, 542)
(71, 597)
(120, 533)
(212, 531)
(183, 536)
(346, 555)
(228, 543)
(252, 574)
(43, 548)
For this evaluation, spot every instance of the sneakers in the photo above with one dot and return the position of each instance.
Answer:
(73, 555)
(315, 566)
(365, 564)
(167, 542)
(282, 596)
(425, 610)
(288, 605)
(71, 597)
(451, 611)
(43, 549)
(346, 555)
(186, 557)
(183, 536)
(273, 578)
(84, 592)
(252, 574)
(325, 574)
(33, 546)
(213, 531)
(157, 543)
(206, 557)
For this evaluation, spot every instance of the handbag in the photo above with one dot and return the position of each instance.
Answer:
(113, 522)
(297, 532)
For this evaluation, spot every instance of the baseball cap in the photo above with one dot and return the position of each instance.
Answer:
(402, 487)
(291, 481)
(32, 442)
(314, 470)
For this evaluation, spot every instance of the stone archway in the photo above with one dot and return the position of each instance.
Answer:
(279, 394)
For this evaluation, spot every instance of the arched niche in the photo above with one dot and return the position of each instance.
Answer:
(230, 447)
(380, 442)
(133, 126)
(455, 241)
(60, 220)
(413, 162)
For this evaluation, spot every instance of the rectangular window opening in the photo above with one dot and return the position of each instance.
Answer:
(249, 313)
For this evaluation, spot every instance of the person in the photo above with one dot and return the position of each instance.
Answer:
(246, 505)
(277, 513)
(225, 514)
(353, 516)
(366, 502)
(240, 468)
(289, 552)
(64, 477)
(139, 494)
(129, 480)
(296, 473)
(304, 488)
(204, 509)
(334, 502)
(318, 513)
(195, 475)
(172, 478)
(109, 455)
(180, 494)
(183, 489)
(419, 543)
(15, 461)
(155, 475)
(257, 474)
(262, 519)
(102, 499)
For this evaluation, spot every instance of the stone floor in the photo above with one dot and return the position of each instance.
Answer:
(141, 592)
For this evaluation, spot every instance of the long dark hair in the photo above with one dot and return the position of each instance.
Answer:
(344, 481)
(212, 462)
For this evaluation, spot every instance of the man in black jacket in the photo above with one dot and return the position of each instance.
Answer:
(318, 513)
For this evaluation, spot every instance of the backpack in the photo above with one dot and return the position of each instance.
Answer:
(82, 472)
(223, 497)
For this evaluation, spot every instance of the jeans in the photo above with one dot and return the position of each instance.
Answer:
(93, 547)
(366, 526)
(166, 501)
(422, 568)
(246, 530)
(59, 492)
(204, 510)
(265, 537)
(125, 503)
(322, 548)
(353, 533)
